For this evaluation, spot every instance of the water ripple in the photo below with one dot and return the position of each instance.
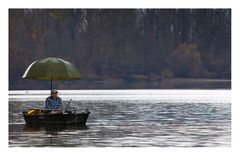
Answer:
(130, 123)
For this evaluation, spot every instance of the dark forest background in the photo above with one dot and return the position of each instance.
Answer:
(123, 48)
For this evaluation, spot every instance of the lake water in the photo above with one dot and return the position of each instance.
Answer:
(129, 118)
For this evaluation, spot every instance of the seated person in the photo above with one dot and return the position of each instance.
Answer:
(53, 102)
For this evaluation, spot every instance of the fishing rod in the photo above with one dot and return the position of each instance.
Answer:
(64, 109)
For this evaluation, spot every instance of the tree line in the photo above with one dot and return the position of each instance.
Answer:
(128, 44)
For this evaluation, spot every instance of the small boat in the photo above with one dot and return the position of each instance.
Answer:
(53, 69)
(41, 116)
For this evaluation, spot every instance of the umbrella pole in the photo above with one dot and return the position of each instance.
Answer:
(51, 82)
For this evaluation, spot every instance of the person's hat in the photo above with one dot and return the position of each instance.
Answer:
(54, 91)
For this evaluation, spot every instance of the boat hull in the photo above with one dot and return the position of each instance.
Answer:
(78, 119)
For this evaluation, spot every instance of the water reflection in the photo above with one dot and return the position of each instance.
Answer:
(43, 135)
(53, 129)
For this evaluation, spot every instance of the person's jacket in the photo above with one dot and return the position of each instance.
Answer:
(51, 103)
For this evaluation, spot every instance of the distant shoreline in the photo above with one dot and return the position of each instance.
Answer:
(119, 83)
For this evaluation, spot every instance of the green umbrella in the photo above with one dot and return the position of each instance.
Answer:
(51, 69)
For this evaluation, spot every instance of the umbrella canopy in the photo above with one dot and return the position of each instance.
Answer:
(51, 69)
